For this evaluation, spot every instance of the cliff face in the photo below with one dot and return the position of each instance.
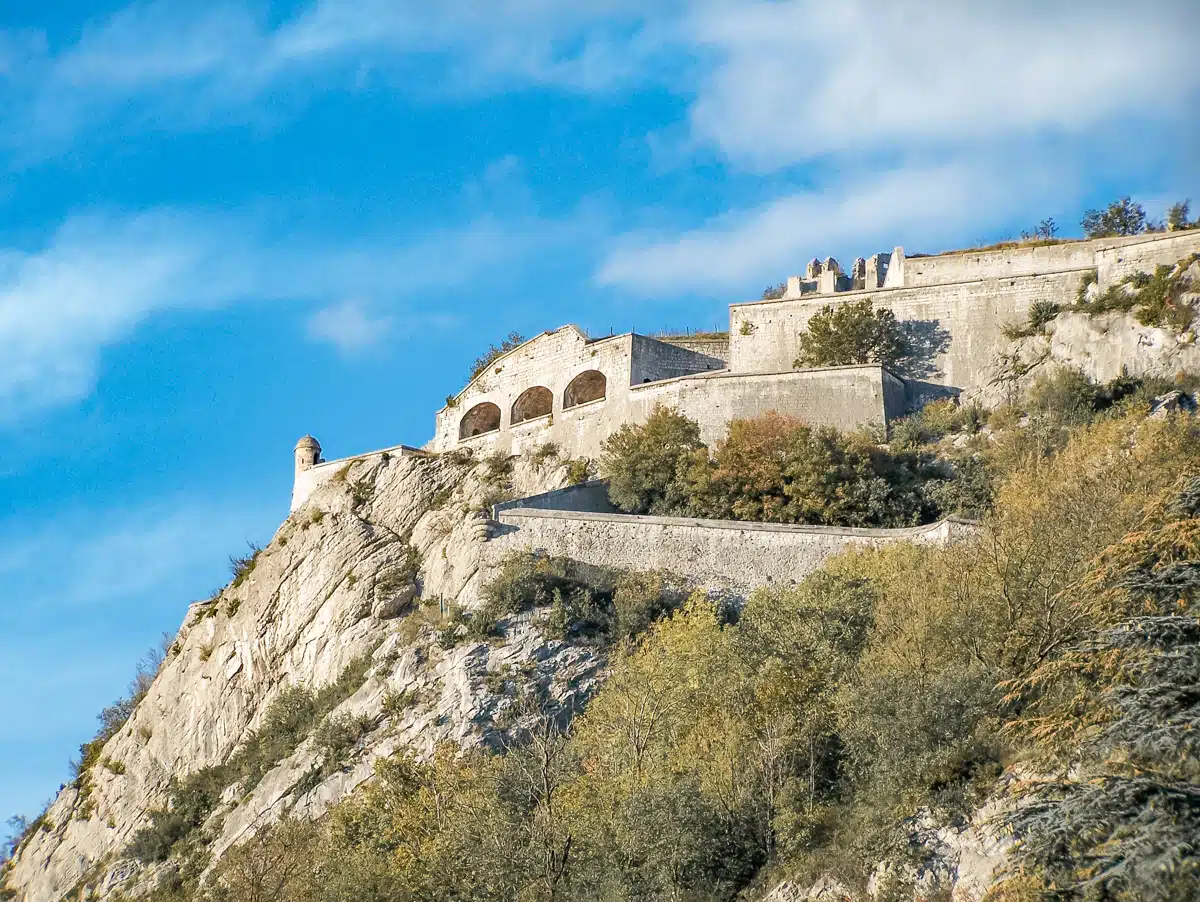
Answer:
(333, 590)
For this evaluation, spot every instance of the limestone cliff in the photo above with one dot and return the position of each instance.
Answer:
(333, 588)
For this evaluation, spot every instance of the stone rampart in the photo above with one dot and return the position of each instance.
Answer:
(307, 481)
(846, 397)
(955, 305)
(725, 554)
(710, 347)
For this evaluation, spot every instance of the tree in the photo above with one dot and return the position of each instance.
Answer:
(851, 333)
(1122, 217)
(1123, 822)
(645, 464)
(1177, 217)
(1043, 231)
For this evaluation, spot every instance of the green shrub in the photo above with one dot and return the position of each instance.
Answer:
(851, 333)
(336, 735)
(242, 567)
(361, 492)
(1121, 217)
(543, 453)
(579, 471)
(1042, 313)
(645, 464)
(488, 357)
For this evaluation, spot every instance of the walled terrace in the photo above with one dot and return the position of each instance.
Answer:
(727, 555)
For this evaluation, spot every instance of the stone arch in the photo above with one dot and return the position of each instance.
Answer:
(533, 402)
(479, 419)
(590, 385)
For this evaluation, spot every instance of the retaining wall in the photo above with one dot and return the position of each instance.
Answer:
(725, 554)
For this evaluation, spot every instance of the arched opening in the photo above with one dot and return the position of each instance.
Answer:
(479, 419)
(587, 386)
(533, 402)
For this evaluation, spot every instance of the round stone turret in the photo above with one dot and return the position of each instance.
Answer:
(308, 453)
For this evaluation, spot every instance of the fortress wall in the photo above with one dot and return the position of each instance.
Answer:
(969, 315)
(716, 553)
(587, 497)
(1116, 262)
(308, 481)
(551, 360)
(844, 397)
(990, 292)
(1002, 263)
(653, 360)
(709, 347)
(1114, 257)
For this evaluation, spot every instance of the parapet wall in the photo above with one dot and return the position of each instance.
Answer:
(308, 481)
(730, 555)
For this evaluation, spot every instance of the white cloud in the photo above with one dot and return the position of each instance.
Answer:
(98, 277)
(348, 327)
(86, 558)
(768, 83)
(183, 66)
(856, 216)
(793, 81)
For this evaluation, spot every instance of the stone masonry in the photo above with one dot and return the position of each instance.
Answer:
(564, 388)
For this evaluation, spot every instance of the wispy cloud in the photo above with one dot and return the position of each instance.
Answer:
(768, 83)
(99, 276)
(184, 65)
(863, 215)
(792, 81)
(87, 558)
(348, 327)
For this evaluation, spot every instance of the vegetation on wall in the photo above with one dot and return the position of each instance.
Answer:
(1164, 298)
(851, 333)
(1121, 217)
(488, 357)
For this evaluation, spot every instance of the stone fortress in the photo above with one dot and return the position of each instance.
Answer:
(565, 388)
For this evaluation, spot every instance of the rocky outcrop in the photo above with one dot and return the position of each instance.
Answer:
(1103, 346)
(336, 583)
(959, 862)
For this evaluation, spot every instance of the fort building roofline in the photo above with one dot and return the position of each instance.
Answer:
(523, 345)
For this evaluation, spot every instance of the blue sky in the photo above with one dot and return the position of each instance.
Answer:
(225, 224)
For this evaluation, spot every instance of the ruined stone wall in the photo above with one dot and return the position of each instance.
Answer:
(724, 554)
